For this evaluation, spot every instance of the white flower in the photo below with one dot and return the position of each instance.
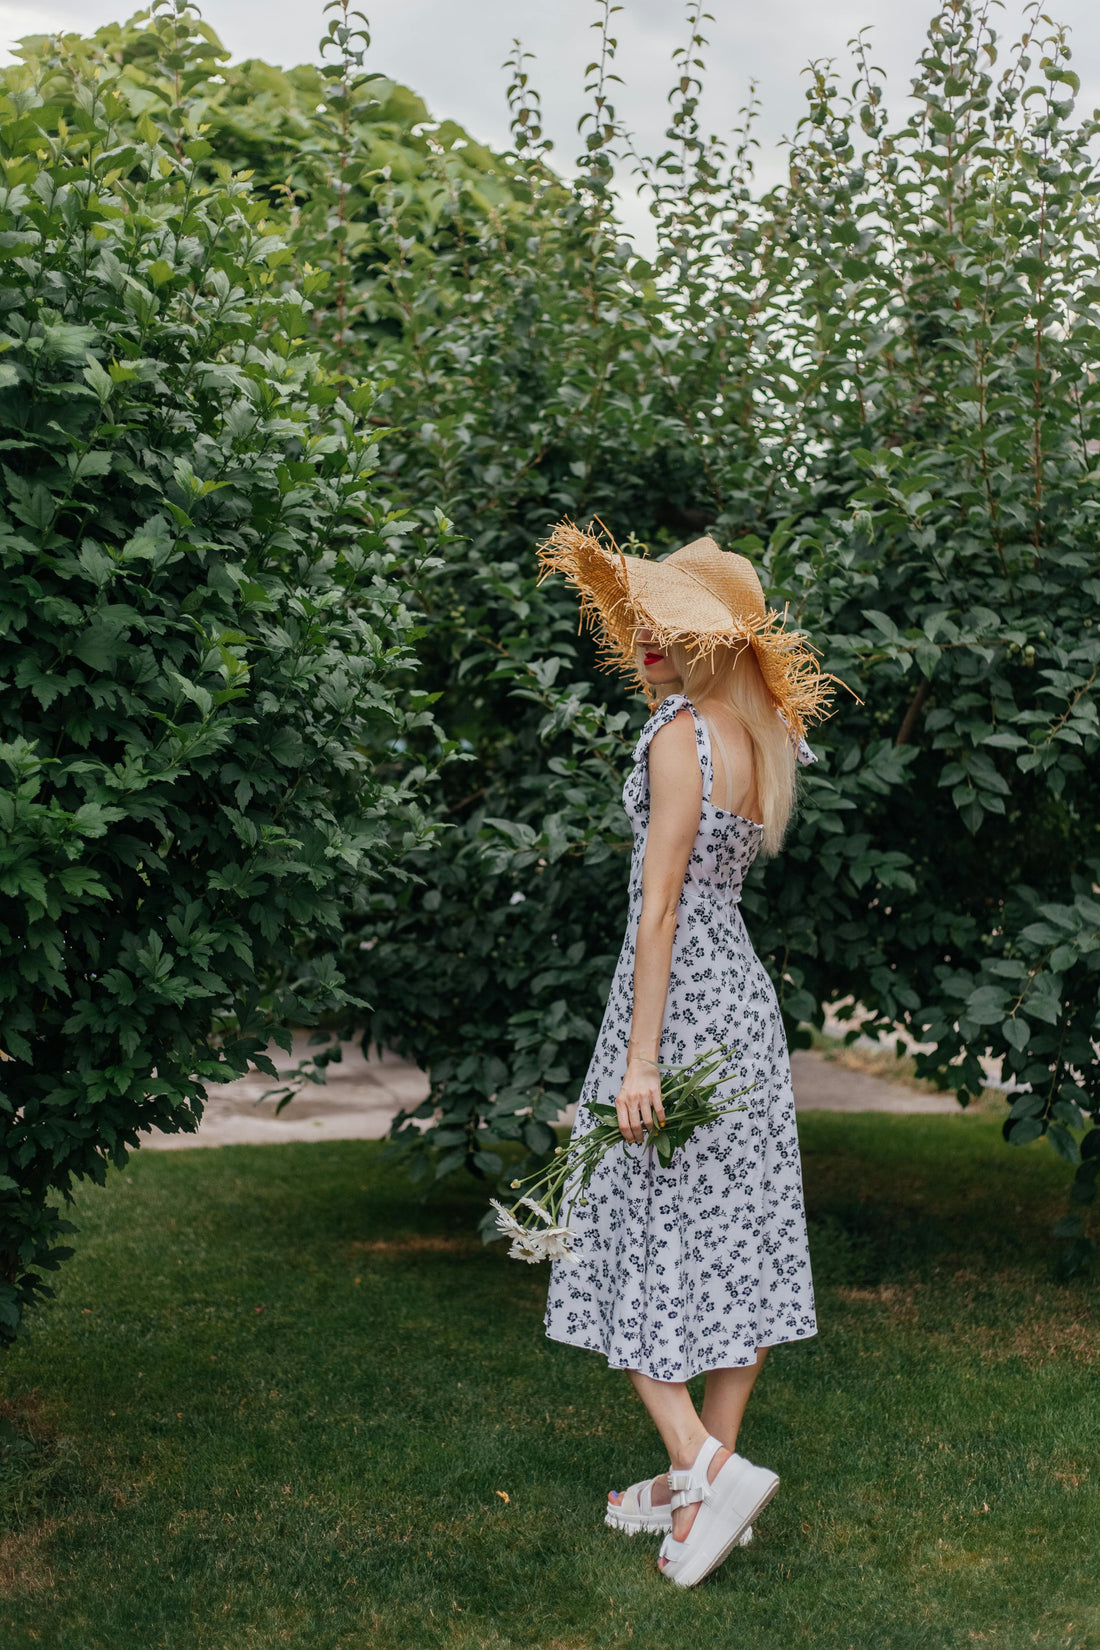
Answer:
(534, 1243)
(529, 1203)
(558, 1244)
(550, 1243)
(507, 1224)
(527, 1246)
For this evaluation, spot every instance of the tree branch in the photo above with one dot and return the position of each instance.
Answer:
(912, 714)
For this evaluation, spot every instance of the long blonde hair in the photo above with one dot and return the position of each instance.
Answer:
(732, 676)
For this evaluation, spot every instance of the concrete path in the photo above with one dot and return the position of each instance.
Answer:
(361, 1096)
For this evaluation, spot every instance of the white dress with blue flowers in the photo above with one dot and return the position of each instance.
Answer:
(693, 1267)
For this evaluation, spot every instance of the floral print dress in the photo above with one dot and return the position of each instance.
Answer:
(693, 1267)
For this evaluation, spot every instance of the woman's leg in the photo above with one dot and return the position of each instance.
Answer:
(682, 1431)
(725, 1400)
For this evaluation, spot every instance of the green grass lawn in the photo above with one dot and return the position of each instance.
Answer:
(277, 1402)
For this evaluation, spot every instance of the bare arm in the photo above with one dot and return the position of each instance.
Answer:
(675, 804)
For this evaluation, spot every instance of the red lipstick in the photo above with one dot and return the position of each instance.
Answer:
(653, 658)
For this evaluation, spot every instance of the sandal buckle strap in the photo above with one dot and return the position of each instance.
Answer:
(692, 1484)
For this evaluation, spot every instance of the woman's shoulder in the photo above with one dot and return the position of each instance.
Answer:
(666, 714)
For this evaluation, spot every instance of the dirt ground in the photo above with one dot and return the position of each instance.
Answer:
(362, 1096)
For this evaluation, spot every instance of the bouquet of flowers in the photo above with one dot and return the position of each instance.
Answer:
(538, 1221)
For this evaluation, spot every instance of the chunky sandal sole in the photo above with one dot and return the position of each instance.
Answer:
(737, 1540)
(616, 1520)
(635, 1524)
(689, 1574)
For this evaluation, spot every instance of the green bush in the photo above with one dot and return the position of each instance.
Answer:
(204, 632)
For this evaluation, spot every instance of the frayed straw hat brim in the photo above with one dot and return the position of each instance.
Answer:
(701, 597)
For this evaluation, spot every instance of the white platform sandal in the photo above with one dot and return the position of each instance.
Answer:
(638, 1512)
(727, 1507)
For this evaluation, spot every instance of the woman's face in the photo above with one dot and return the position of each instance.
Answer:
(657, 668)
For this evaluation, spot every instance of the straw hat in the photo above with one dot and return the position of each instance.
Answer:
(701, 597)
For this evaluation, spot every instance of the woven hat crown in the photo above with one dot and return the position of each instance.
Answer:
(702, 587)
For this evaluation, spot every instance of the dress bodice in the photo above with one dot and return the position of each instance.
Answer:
(726, 843)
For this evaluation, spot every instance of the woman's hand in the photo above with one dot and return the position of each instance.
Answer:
(638, 1101)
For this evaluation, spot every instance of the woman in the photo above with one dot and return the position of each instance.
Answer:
(702, 1266)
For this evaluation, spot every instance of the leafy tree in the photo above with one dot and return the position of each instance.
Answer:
(205, 634)
(315, 141)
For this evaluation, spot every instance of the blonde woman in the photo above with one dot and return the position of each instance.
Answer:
(700, 1267)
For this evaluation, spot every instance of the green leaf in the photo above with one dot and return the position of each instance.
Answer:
(987, 1004)
(100, 645)
(1016, 1033)
(285, 746)
(927, 657)
(1063, 1142)
(450, 1160)
(540, 1137)
(99, 380)
(883, 623)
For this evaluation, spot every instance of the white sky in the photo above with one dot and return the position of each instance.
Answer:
(451, 52)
